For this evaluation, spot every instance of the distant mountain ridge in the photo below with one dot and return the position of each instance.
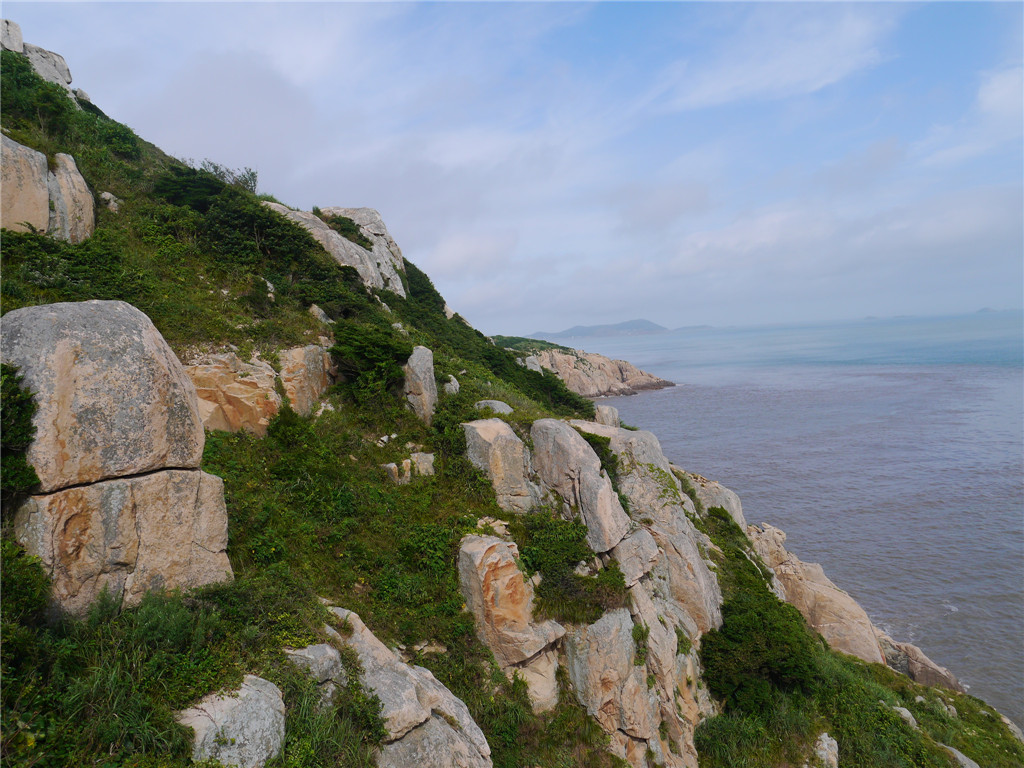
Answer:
(627, 328)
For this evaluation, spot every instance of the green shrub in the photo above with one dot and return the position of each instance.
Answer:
(370, 358)
(16, 434)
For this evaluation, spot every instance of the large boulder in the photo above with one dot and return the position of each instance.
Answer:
(72, 209)
(636, 555)
(494, 448)
(244, 728)
(828, 609)
(567, 465)
(427, 725)
(420, 386)
(162, 530)
(24, 196)
(911, 661)
(501, 601)
(378, 267)
(306, 373)
(113, 399)
(233, 395)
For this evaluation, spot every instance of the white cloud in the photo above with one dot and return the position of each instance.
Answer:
(781, 51)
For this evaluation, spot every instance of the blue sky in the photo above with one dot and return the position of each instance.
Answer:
(554, 164)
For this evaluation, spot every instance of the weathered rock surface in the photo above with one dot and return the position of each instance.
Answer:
(636, 555)
(501, 601)
(452, 386)
(609, 685)
(10, 36)
(72, 209)
(235, 396)
(961, 759)
(567, 465)
(49, 65)
(24, 196)
(829, 610)
(494, 405)
(113, 399)
(713, 494)
(911, 661)
(681, 576)
(593, 375)
(245, 728)
(306, 373)
(826, 752)
(427, 725)
(165, 529)
(420, 387)
(378, 267)
(607, 415)
(494, 448)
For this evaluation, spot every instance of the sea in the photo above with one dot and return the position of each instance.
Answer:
(891, 451)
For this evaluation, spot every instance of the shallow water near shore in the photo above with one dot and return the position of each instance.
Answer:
(890, 451)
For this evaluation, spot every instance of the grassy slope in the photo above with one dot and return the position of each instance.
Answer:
(310, 511)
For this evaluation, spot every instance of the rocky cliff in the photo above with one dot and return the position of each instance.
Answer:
(593, 375)
(434, 556)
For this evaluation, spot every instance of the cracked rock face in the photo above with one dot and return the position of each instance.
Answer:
(501, 601)
(494, 448)
(244, 728)
(113, 398)
(420, 387)
(122, 503)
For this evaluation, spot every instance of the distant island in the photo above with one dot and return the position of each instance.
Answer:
(627, 328)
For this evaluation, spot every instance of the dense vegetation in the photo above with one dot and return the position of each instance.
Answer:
(311, 512)
(781, 686)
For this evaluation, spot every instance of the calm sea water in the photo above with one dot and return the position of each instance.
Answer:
(890, 451)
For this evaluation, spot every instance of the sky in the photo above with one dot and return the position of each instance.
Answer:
(558, 164)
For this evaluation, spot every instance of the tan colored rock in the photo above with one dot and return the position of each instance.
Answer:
(113, 399)
(600, 662)
(828, 609)
(501, 601)
(636, 554)
(493, 447)
(567, 465)
(911, 661)
(163, 530)
(24, 197)
(306, 373)
(235, 396)
(72, 209)
(593, 375)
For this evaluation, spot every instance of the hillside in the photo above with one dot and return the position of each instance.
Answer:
(626, 328)
(247, 451)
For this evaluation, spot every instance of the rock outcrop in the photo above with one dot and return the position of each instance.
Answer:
(501, 601)
(711, 493)
(32, 197)
(494, 448)
(593, 375)
(911, 661)
(244, 728)
(568, 466)
(235, 396)
(828, 609)
(377, 267)
(427, 725)
(420, 386)
(122, 504)
(10, 37)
